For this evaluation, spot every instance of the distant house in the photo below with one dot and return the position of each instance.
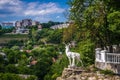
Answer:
(60, 26)
(7, 25)
(26, 22)
(34, 62)
(21, 30)
(4, 55)
(28, 51)
(108, 59)
(35, 23)
(18, 24)
(39, 27)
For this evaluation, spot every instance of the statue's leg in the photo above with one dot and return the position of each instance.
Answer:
(79, 60)
(69, 61)
(73, 61)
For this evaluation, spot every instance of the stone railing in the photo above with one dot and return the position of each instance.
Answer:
(110, 54)
(112, 58)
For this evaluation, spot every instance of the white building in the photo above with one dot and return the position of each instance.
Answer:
(3, 55)
(26, 22)
(7, 24)
(18, 23)
(108, 59)
(60, 26)
(22, 31)
(39, 27)
(35, 23)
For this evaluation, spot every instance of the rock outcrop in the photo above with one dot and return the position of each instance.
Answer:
(79, 74)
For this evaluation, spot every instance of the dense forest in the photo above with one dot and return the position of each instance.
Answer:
(93, 23)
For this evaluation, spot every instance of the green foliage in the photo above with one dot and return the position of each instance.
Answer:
(9, 76)
(2, 61)
(114, 26)
(107, 72)
(5, 30)
(114, 21)
(11, 68)
(86, 49)
(15, 48)
(49, 24)
(48, 36)
(98, 18)
(44, 57)
(14, 35)
(57, 68)
(41, 68)
(55, 37)
(32, 78)
(24, 70)
(15, 42)
(70, 33)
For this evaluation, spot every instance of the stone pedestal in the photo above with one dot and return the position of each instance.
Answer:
(67, 72)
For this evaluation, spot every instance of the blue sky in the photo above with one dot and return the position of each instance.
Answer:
(40, 10)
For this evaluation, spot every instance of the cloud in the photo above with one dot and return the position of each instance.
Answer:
(58, 17)
(17, 7)
(10, 2)
(38, 11)
(42, 18)
(11, 7)
(43, 9)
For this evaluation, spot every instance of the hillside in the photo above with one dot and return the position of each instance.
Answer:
(8, 37)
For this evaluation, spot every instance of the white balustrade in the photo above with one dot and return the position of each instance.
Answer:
(112, 58)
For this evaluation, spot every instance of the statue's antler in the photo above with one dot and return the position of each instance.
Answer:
(69, 44)
(64, 43)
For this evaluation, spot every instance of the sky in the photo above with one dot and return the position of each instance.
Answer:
(39, 10)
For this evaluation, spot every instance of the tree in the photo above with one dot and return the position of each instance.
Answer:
(49, 24)
(11, 68)
(96, 22)
(9, 76)
(55, 37)
(57, 68)
(2, 61)
(114, 23)
(91, 16)
(70, 33)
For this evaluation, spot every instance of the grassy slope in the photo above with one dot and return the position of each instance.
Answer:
(7, 37)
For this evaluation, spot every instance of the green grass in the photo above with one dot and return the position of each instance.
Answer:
(14, 36)
(8, 37)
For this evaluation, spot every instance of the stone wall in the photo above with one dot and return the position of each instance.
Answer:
(78, 74)
(108, 66)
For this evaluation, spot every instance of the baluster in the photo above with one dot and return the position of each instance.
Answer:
(113, 58)
(106, 57)
(119, 59)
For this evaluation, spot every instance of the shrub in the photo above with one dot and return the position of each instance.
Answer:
(109, 72)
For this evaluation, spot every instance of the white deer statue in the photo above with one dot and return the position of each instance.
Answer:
(72, 56)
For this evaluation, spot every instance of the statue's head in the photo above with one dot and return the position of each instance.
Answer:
(66, 46)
